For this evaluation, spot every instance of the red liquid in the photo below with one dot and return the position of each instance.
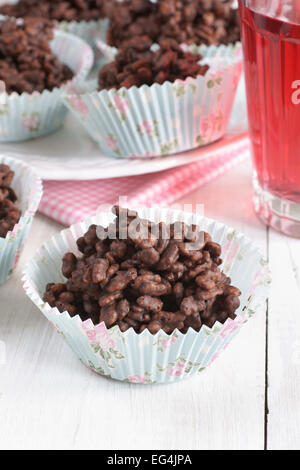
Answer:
(272, 70)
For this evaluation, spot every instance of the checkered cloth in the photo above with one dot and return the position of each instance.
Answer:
(69, 202)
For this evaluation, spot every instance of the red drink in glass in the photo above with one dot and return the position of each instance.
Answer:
(271, 41)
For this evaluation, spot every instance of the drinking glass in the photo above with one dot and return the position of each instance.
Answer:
(271, 43)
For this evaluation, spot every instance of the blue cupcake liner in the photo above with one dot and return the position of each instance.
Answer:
(145, 358)
(162, 119)
(89, 31)
(27, 116)
(28, 188)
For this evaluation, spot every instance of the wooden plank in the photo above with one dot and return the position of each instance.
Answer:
(284, 344)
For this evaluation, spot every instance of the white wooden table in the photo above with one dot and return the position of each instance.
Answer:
(249, 399)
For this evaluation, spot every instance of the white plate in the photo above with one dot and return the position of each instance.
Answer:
(70, 154)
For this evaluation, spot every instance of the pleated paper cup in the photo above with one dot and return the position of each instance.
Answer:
(145, 358)
(26, 116)
(28, 188)
(90, 32)
(109, 52)
(158, 120)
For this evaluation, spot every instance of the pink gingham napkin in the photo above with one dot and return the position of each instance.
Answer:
(69, 202)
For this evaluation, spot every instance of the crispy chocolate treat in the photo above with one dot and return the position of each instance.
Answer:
(132, 18)
(138, 65)
(27, 63)
(67, 10)
(143, 275)
(199, 21)
(9, 212)
(186, 21)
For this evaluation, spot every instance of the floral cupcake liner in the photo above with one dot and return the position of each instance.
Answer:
(162, 119)
(27, 116)
(28, 188)
(145, 358)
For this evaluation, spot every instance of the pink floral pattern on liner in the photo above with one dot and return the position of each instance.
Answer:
(99, 336)
(178, 370)
(79, 105)
(178, 367)
(148, 127)
(231, 327)
(163, 344)
(167, 343)
(102, 343)
(142, 379)
(121, 103)
(112, 143)
(137, 379)
(31, 122)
